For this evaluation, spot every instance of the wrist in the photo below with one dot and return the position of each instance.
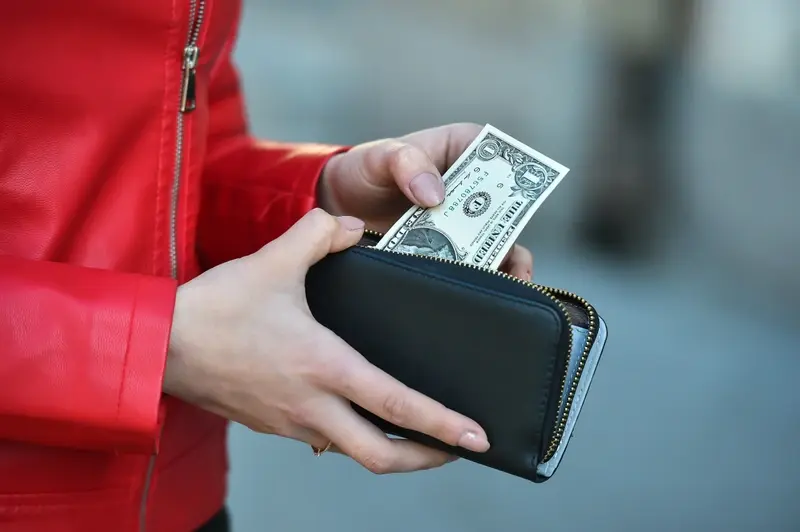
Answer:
(171, 382)
(194, 372)
(176, 364)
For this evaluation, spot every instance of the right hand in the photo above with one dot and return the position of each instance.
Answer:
(245, 346)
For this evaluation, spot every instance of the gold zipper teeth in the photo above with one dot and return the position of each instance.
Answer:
(562, 422)
(563, 404)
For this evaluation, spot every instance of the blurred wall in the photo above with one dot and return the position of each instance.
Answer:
(691, 424)
(742, 129)
(353, 70)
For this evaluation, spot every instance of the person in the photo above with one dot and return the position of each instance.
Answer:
(152, 262)
(626, 208)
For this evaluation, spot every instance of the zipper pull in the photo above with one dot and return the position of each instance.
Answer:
(188, 102)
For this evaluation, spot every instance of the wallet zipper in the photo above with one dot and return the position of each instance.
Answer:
(553, 294)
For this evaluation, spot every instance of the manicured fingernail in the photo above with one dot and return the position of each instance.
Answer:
(428, 189)
(351, 224)
(470, 440)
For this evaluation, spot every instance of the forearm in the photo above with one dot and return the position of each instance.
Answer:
(82, 355)
(255, 192)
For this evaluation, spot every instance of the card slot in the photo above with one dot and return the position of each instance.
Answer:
(580, 336)
(577, 314)
(547, 469)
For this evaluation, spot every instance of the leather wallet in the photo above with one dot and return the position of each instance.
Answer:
(516, 357)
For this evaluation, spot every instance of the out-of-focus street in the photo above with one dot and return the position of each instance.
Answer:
(692, 420)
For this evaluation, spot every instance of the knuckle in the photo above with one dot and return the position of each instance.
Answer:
(376, 463)
(301, 415)
(322, 225)
(465, 129)
(465, 132)
(469, 126)
(330, 374)
(401, 156)
(395, 408)
(327, 369)
(320, 219)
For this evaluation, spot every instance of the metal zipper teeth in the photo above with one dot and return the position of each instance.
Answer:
(197, 7)
(148, 479)
(196, 13)
(573, 387)
(173, 215)
(551, 293)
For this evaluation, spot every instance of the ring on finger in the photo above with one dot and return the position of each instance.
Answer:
(319, 450)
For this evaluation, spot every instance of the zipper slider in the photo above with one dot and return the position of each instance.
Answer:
(190, 54)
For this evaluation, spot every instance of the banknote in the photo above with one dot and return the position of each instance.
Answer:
(491, 193)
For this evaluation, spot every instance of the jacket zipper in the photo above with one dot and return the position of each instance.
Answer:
(191, 52)
(556, 294)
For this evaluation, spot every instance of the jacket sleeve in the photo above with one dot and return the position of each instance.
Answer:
(82, 355)
(253, 190)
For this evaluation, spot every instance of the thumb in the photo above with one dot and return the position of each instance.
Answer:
(411, 169)
(317, 234)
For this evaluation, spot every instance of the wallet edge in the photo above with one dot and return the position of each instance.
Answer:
(546, 470)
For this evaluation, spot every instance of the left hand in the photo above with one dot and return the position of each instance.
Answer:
(376, 181)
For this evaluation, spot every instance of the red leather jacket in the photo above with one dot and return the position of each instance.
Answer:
(125, 169)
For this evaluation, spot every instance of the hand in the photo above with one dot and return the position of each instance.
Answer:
(378, 181)
(244, 345)
(519, 263)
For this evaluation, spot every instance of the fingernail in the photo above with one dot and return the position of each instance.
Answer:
(470, 440)
(451, 459)
(428, 189)
(351, 224)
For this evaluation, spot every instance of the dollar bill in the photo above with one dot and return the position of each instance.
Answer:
(491, 193)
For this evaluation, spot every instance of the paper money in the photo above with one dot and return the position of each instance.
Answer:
(491, 193)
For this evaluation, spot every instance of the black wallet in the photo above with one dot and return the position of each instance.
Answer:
(516, 357)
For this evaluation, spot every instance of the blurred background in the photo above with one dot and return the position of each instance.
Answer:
(680, 121)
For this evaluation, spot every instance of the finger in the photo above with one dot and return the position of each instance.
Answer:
(506, 260)
(444, 144)
(384, 396)
(313, 439)
(367, 445)
(317, 234)
(410, 168)
(519, 263)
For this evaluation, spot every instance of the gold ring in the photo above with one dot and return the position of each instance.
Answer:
(318, 451)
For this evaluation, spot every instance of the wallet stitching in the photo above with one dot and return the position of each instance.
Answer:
(545, 399)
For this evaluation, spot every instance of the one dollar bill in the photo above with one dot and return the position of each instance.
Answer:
(491, 192)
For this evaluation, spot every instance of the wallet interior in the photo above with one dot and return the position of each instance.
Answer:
(580, 341)
(587, 342)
